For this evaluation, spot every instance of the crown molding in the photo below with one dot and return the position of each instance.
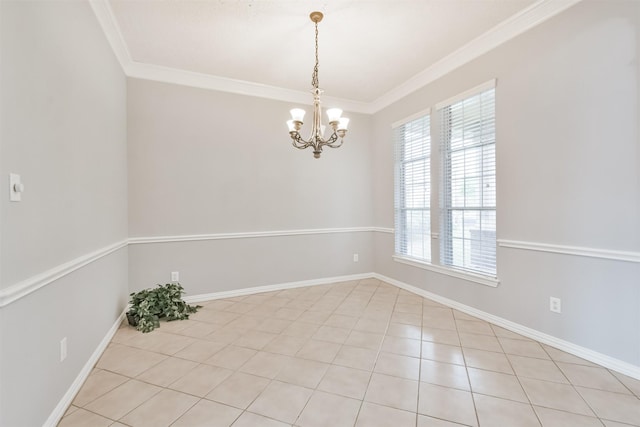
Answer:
(163, 74)
(104, 14)
(501, 33)
(528, 18)
(106, 18)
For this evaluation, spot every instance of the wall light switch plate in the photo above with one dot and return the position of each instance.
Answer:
(175, 276)
(15, 187)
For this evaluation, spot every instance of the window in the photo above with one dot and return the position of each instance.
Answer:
(468, 183)
(465, 162)
(413, 188)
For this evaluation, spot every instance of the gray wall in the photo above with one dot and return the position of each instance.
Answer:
(224, 265)
(63, 128)
(201, 162)
(207, 162)
(568, 170)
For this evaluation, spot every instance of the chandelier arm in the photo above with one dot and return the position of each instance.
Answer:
(333, 145)
(300, 143)
(316, 142)
(332, 139)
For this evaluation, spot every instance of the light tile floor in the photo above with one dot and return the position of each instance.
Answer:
(361, 353)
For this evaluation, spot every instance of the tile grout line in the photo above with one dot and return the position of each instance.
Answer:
(316, 387)
(376, 358)
(520, 382)
(555, 363)
(466, 369)
(271, 380)
(307, 340)
(336, 311)
(420, 360)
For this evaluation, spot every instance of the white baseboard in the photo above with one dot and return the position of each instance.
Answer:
(278, 287)
(566, 346)
(68, 397)
(576, 350)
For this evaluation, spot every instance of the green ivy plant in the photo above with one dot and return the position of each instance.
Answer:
(163, 302)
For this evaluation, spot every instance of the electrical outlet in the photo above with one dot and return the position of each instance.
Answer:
(175, 276)
(555, 304)
(356, 258)
(63, 349)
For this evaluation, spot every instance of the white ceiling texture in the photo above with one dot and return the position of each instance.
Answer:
(372, 52)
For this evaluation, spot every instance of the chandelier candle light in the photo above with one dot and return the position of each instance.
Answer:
(338, 124)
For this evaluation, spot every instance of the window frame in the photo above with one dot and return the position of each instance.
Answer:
(436, 190)
(401, 238)
(462, 162)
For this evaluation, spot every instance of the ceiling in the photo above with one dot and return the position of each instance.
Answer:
(368, 49)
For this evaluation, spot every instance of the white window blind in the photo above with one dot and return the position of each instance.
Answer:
(468, 175)
(413, 188)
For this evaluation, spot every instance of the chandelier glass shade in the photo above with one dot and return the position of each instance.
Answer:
(338, 124)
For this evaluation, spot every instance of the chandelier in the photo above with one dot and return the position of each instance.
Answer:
(338, 124)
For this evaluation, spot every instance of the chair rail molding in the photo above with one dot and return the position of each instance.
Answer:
(582, 251)
(383, 230)
(246, 235)
(25, 287)
(33, 283)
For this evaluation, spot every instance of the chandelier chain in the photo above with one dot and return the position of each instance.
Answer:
(314, 76)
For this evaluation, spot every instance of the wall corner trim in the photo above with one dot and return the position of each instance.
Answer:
(32, 284)
(67, 399)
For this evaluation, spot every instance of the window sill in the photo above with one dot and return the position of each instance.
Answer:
(471, 277)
